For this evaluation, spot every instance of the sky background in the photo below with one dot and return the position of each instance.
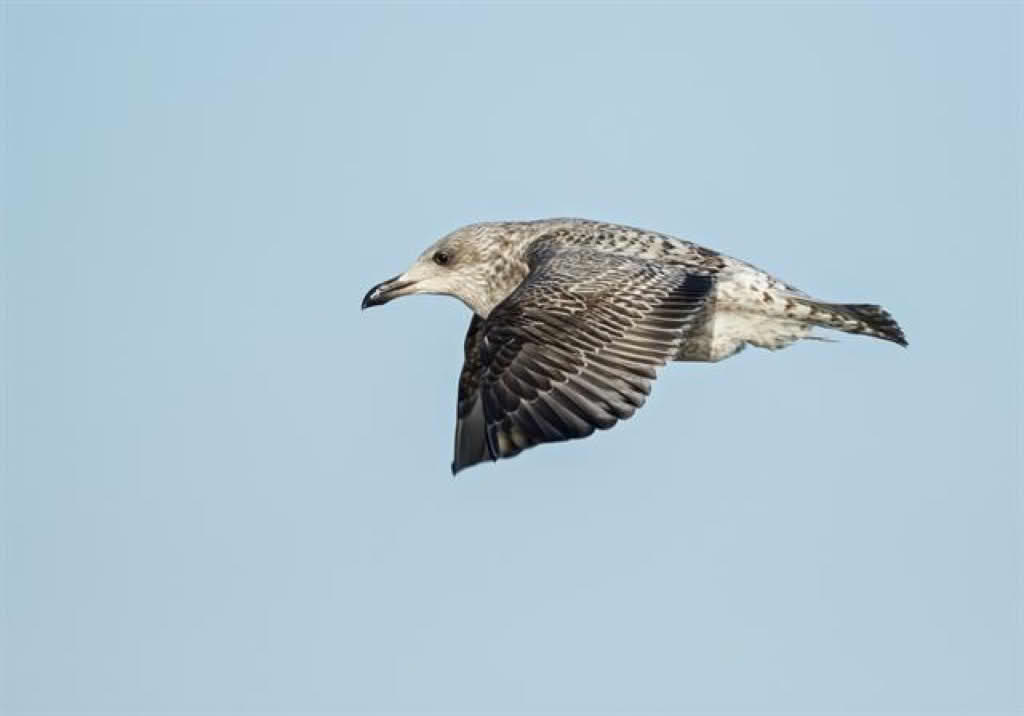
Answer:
(225, 489)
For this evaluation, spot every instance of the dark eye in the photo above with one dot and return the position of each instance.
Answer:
(441, 258)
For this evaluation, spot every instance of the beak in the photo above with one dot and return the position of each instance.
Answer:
(385, 291)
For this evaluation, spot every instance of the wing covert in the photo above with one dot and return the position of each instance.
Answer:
(572, 350)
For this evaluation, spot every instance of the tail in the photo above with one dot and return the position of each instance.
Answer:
(861, 318)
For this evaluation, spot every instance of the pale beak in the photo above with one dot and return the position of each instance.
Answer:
(385, 291)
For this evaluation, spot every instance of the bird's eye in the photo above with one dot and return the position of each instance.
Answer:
(441, 258)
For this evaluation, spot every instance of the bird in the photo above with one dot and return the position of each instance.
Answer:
(572, 318)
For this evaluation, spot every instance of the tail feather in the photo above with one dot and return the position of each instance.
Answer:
(861, 318)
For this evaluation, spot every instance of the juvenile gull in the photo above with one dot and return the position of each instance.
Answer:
(572, 317)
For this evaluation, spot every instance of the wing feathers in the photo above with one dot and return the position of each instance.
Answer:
(573, 349)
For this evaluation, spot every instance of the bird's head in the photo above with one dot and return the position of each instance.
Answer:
(479, 264)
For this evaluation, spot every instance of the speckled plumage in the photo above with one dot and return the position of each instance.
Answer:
(572, 318)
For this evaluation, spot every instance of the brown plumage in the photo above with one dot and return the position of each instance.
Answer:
(572, 318)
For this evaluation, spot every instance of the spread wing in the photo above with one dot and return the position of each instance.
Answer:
(470, 424)
(574, 348)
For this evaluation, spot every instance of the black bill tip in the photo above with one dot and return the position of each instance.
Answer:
(384, 292)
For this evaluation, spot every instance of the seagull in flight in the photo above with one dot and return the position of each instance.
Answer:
(573, 317)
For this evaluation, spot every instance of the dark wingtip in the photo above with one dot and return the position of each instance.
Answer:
(459, 469)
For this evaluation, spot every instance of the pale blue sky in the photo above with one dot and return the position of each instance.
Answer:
(226, 490)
